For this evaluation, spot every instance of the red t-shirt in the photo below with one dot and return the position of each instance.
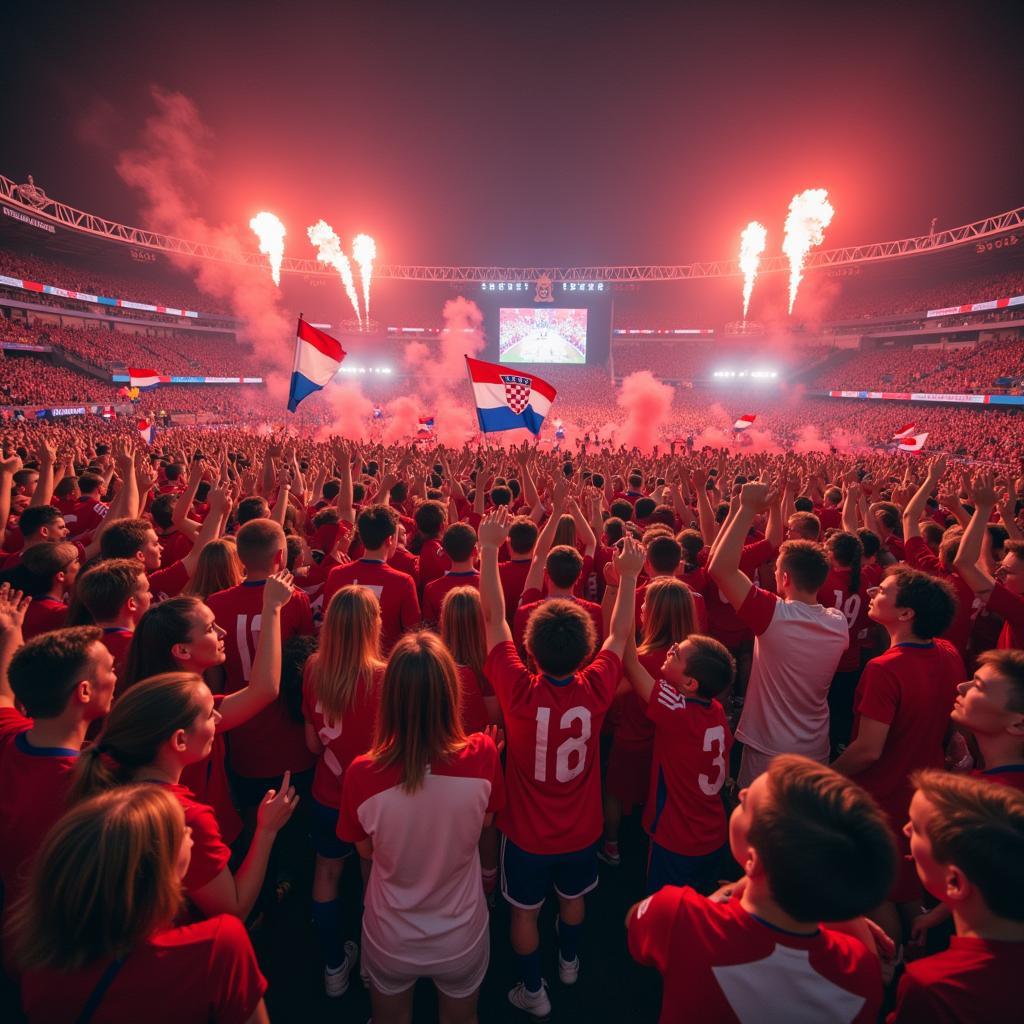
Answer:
(533, 599)
(433, 562)
(513, 579)
(169, 582)
(919, 556)
(208, 781)
(632, 726)
(1011, 775)
(720, 963)
(343, 740)
(405, 562)
(684, 812)
(911, 688)
(271, 742)
(87, 514)
(44, 614)
(396, 592)
(836, 593)
(35, 783)
(209, 854)
(205, 971)
(118, 641)
(974, 980)
(1010, 607)
(724, 624)
(174, 547)
(433, 592)
(472, 690)
(552, 730)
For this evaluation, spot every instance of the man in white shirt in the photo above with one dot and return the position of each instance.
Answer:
(797, 647)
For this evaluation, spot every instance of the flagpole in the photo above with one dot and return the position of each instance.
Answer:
(472, 394)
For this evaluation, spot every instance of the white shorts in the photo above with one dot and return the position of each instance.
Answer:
(457, 978)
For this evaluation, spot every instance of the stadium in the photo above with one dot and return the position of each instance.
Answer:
(379, 631)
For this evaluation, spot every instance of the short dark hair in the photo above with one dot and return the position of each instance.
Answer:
(614, 528)
(621, 509)
(501, 495)
(105, 587)
(44, 672)
(803, 504)
(564, 565)
(827, 848)
(331, 489)
(664, 553)
(458, 541)
(644, 507)
(711, 664)
(522, 535)
(162, 510)
(806, 562)
(560, 636)
(635, 480)
(35, 517)
(692, 543)
(979, 828)
(376, 524)
(256, 542)
(430, 518)
(89, 483)
(253, 507)
(932, 600)
(869, 541)
(124, 538)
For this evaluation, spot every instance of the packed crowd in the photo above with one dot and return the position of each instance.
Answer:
(236, 659)
(26, 380)
(699, 360)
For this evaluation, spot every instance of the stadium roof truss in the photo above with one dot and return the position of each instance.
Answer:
(34, 202)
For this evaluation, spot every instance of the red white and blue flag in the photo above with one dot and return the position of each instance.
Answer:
(147, 431)
(426, 424)
(317, 358)
(745, 422)
(508, 399)
(143, 379)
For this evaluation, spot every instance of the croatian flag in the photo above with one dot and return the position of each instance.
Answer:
(507, 399)
(317, 358)
(147, 431)
(144, 380)
(913, 443)
(426, 424)
(744, 422)
(905, 431)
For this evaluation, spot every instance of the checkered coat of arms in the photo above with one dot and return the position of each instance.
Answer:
(517, 391)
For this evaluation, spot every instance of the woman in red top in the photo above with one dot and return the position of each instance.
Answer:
(340, 697)
(157, 728)
(181, 635)
(669, 617)
(462, 630)
(95, 934)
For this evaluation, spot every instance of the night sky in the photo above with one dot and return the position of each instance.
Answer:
(535, 133)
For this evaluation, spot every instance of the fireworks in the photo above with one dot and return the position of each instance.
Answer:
(364, 252)
(270, 231)
(752, 243)
(810, 213)
(329, 251)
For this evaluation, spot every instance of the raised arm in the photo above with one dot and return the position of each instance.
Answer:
(535, 577)
(724, 566)
(968, 554)
(491, 535)
(914, 509)
(583, 529)
(628, 561)
(13, 606)
(641, 680)
(47, 455)
(210, 529)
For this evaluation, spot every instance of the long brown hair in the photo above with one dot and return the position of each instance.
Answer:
(349, 654)
(104, 880)
(669, 614)
(565, 532)
(164, 625)
(419, 718)
(219, 568)
(462, 627)
(139, 723)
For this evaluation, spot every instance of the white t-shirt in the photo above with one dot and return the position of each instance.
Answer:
(797, 647)
(424, 903)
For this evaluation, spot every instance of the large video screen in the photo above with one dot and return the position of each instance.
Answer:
(542, 335)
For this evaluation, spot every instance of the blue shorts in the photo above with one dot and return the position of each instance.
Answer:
(526, 878)
(325, 836)
(667, 868)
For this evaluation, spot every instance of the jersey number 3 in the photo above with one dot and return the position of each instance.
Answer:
(571, 755)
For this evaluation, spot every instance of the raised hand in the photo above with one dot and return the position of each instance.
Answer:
(278, 590)
(629, 559)
(277, 807)
(13, 605)
(494, 527)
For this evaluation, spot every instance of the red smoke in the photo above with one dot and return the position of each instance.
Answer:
(647, 402)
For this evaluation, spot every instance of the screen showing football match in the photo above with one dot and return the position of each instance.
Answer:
(542, 335)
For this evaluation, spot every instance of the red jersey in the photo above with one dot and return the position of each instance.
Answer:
(118, 641)
(1010, 607)
(202, 972)
(167, 583)
(312, 584)
(406, 562)
(533, 599)
(968, 604)
(684, 812)
(396, 592)
(720, 963)
(513, 579)
(724, 624)
(837, 593)
(271, 742)
(208, 781)
(473, 688)
(174, 546)
(35, 782)
(433, 562)
(87, 514)
(209, 854)
(44, 614)
(433, 592)
(1011, 775)
(632, 726)
(911, 688)
(552, 729)
(343, 740)
(974, 980)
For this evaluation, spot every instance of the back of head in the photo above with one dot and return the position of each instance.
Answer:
(45, 672)
(621, 509)
(869, 541)
(253, 507)
(979, 828)
(522, 535)
(636, 481)
(560, 637)
(105, 588)
(565, 532)
(932, 600)
(459, 542)
(462, 627)
(41, 563)
(162, 511)
(164, 625)
(104, 880)
(806, 564)
(564, 565)
(932, 533)
(711, 664)
(847, 552)
(664, 554)
(90, 484)
(692, 543)
(501, 495)
(419, 708)
(430, 518)
(218, 568)
(261, 545)
(123, 538)
(349, 648)
(827, 849)
(805, 525)
(669, 614)
(614, 528)
(377, 525)
(644, 508)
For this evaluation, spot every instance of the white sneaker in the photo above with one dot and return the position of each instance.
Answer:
(536, 1004)
(336, 982)
(568, 970)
